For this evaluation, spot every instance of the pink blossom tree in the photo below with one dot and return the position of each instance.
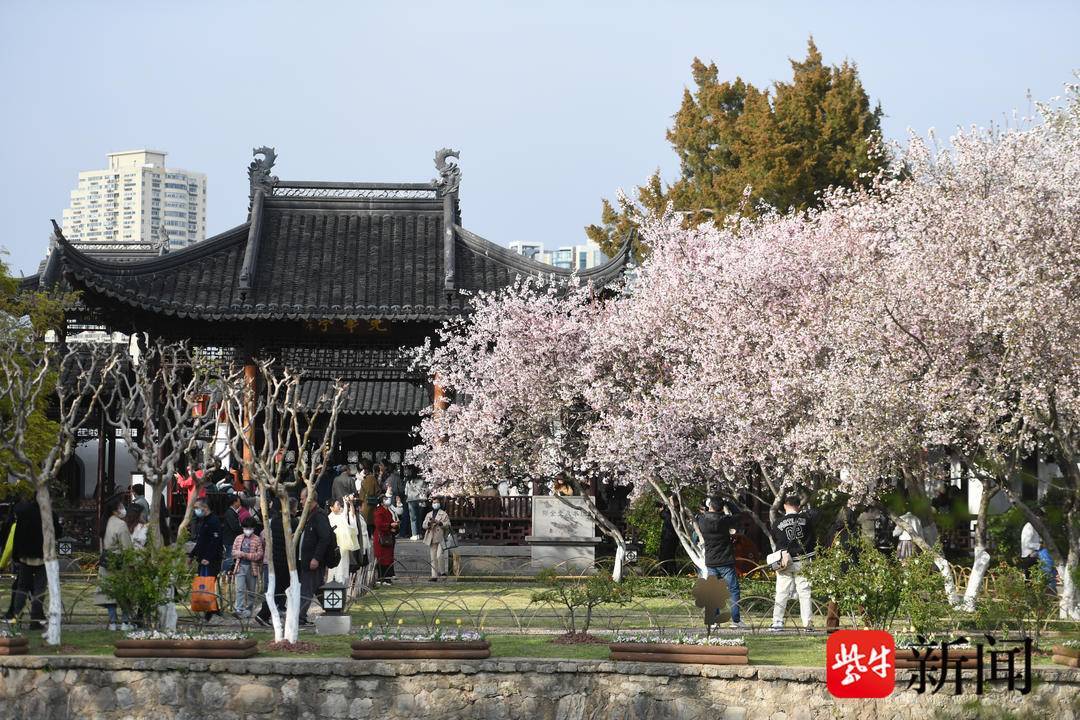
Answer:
(514, 368)
(961, 316)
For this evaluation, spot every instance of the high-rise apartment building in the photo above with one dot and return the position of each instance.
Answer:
(567, 257)
(137, 202)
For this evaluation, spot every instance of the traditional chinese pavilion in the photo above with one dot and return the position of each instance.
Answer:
(333, 278)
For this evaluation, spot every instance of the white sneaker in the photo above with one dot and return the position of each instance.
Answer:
(112, 627)
(776, 628)
(126, 627)
(415, 538)
(738, 625)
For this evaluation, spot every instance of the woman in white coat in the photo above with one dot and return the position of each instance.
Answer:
(436, 528)
(348, 540)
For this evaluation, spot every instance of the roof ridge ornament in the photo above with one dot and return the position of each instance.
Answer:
(163, 240)
(259, 169)
(449, 179)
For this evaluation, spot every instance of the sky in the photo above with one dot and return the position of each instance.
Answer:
(553, 105)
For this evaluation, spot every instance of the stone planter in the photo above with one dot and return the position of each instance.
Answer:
(15, 645)
(905, 660)
(210, 649)
(1067, 656)
(676, 653)
(420, 650)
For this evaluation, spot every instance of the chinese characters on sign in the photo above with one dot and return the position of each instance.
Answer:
(946, 656)
(860, 664)
(863, 663)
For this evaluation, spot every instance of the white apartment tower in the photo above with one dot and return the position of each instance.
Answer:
(567, 257)
(133, 200)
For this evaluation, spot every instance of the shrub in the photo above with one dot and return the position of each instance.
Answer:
(863, 581)
(1003, 531)
(1015, 603)
(922, 594)
(646, 522)
(141, 579)
(581, 595)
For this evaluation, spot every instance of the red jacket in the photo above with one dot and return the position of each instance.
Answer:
(384, 554)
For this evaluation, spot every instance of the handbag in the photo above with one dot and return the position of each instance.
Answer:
(204, 593)
(450, 541)
(387, 539)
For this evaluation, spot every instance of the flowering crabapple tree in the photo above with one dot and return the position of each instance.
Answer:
(514, 368)
(969, 268)
(271, 417)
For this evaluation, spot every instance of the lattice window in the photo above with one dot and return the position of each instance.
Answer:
(353, 361)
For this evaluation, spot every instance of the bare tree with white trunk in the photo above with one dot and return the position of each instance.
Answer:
(165, 405)
(269, 419)
(31, 370)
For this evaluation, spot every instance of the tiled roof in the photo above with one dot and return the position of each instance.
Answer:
(319, 258)
(372, 397)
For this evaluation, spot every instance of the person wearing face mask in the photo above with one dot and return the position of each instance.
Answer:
(247, 552)
(208, 550)
(436, 528)
(117, 537)
(385, 536)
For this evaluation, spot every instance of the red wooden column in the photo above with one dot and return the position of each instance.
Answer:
(249, 416)
(440, 401)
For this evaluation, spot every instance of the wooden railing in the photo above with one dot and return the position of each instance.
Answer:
(490, 519)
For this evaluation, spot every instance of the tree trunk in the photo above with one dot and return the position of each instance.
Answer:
(1069, 603)
(292, 607)
(981, 561)
(166, 615)
(683, 528)
(939, 560)
(193, 495)
(52, 563)
(292, 595)
(606, 526)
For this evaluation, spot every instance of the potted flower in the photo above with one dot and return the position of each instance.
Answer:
(1068, 653)
(679, 648)
(156, 643)
(434, 643)
(141, 580)
(12, 644)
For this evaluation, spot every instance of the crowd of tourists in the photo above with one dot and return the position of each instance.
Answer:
(355, 518)
(796, 544)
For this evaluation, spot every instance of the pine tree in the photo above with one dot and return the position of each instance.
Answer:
(786, 143)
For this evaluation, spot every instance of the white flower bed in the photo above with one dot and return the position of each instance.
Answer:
(1075, 644)
(159, 635)
(438, 635)
(681, 639)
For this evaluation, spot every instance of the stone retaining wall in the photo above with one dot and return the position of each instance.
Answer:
(59, 688)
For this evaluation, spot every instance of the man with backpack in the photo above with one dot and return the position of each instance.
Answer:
(318, 545)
